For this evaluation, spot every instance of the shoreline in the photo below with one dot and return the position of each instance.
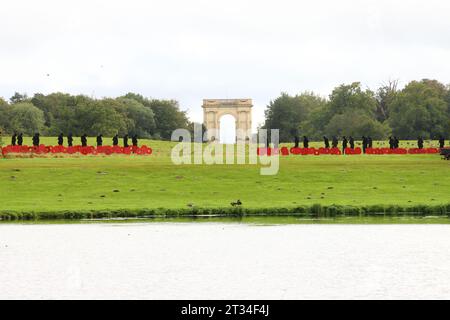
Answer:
(311, 211)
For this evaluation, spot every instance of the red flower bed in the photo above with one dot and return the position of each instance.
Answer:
(382, 151)
(348, 151)
(89, 150)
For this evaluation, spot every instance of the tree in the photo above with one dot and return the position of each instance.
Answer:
(384, 96)
(167, 114)
(352, 97)
(3, 112)
(349, 111)
(286, 113)
(100, 117)
(168, 117)
(24, 117)
(356, 125)
(18, 97)
(420, 109)
(141, 119)
(58, 109)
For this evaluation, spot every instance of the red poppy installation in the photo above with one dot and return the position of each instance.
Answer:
(89, 150)
(284, 151)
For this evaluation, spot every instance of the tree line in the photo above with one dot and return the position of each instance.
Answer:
(420, 109)
(79, 114)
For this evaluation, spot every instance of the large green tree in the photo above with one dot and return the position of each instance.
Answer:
(141, 120)
(352, 98)
(349, 111)
(420, 109)
(287, 112)
(168, 117)
(59, 110)
(24, 117)
(100, 117)
(356, 125)
(3, 118)
(167, 114)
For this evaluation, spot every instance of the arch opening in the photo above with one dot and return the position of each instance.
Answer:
(227, 129)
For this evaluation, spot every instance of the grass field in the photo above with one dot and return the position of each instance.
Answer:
(130, 183)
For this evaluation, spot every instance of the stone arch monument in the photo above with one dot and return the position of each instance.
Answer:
(214, 109)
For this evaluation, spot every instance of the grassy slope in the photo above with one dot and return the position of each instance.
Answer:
(78, 184)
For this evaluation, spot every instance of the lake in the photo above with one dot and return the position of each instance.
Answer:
(226, 259)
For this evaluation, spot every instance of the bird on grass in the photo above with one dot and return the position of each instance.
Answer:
(237, 203)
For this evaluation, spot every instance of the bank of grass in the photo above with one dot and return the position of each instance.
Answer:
(313, 211)
(81, 187)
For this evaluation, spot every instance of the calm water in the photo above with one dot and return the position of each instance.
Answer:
(224, 261)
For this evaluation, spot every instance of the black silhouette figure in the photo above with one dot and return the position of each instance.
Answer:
(36, 139)
(60, 139)
(396, 143)
(134, 140)
(305, 142)
(335, 142)
(296, 141)
(352, 142)
(391, 143)
(364, 144)
(84, 140)
(441, 142)
(125, 141)
(70, 140)
(326, 142)
(99, 140)
(369, 142)
(420, 143)
(115, 140)
(344, 144)
(14, 139)
(20, 139)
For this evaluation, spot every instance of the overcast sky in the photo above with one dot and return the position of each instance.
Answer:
(190, 50)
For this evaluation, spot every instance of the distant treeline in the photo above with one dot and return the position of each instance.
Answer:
(422, 108)
(57, 113)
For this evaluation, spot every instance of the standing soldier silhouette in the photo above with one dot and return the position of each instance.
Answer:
(396, 143)
(13, 139)
(369, 142)
(344, 144)
(134, 140)
(84, 140)
(335, 142)
(391, 143)
(36, 140)
(60, 139)
(115, 140)
(441, 142)
(364, 144)
(326, 142)
(352, 143)
(20, 139)
(125, 141)
(99, 140)
(305, 142)
(420, 143)
(296, 141)
(70, 139)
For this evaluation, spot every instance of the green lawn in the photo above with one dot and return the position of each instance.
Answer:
(89, 183)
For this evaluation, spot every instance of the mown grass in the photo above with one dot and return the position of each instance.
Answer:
(139, 186)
